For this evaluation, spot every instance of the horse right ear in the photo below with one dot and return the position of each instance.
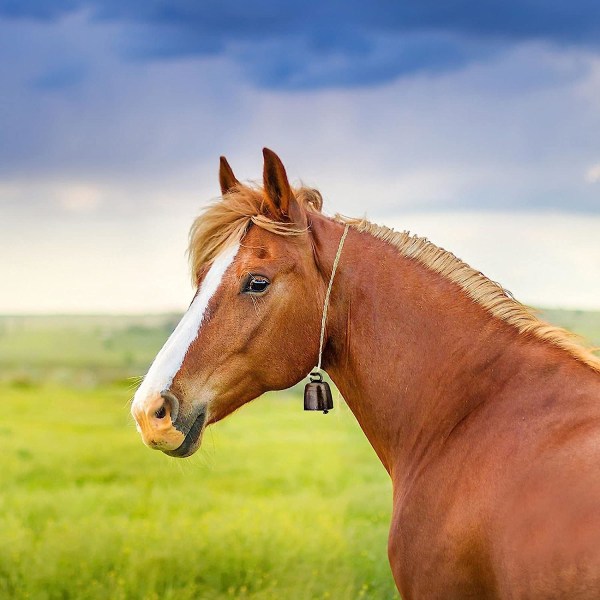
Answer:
(226, 177)
(278, 192)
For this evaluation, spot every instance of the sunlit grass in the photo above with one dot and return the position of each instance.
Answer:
(278, 504)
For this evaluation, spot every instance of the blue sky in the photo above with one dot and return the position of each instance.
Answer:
(474, 123)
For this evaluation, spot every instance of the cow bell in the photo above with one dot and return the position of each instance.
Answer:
(317, 394)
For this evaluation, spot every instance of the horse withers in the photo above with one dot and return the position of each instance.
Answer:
(486, 418)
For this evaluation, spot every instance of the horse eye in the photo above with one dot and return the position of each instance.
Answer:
(255, 284)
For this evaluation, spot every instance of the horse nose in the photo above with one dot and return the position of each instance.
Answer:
(155, 417)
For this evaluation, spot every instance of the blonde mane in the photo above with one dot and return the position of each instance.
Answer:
(226, 221)
(489, 294)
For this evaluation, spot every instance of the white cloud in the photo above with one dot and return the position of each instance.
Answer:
(83, 264)
(550, 260)
(547, 260)
(592, 175)
(80, 197)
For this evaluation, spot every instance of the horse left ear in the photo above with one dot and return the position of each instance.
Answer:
(226, 177)
(278, 192)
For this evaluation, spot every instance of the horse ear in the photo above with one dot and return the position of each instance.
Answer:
(278, 193)
(226, 177)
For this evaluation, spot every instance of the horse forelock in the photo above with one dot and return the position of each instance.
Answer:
(225, 222)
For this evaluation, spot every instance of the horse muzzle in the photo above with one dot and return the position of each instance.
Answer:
(163, 426)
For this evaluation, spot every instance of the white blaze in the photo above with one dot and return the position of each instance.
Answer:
(170, 358)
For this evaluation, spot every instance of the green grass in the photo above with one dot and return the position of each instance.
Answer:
(79, 350)
(278, 504)
(585, 323)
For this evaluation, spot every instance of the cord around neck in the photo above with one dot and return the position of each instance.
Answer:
(326, 303)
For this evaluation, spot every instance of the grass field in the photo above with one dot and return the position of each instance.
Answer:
(278, 504)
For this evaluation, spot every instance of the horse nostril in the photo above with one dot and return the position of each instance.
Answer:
(161, 413)
(172, 402)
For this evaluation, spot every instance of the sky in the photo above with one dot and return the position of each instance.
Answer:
(476, 124)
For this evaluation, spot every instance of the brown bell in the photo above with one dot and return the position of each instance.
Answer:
(317, 394)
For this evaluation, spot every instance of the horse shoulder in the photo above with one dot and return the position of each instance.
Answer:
(510, 498)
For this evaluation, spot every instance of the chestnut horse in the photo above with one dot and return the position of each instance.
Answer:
(486, 419)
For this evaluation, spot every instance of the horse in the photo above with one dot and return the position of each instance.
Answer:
(486, 418)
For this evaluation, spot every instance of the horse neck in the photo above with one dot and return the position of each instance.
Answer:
(409, 351)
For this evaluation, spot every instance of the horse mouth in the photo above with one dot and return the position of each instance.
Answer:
(191, 441)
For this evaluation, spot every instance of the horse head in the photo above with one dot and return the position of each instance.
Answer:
(253, 324)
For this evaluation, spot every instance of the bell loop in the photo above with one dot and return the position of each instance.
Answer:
(315, 377)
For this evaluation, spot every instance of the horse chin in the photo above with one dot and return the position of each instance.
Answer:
(192, 440)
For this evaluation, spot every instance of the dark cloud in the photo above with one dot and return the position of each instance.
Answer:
(37, 9)
(338, 43)
(75, 114)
